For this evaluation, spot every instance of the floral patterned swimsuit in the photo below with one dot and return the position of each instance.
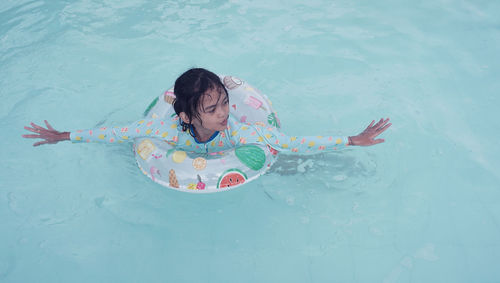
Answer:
(236, 134)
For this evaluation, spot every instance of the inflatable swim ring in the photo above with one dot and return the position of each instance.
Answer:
(208, 172)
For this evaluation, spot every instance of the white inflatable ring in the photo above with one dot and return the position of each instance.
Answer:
(210, 172)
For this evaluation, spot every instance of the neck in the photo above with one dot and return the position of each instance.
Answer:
(203, 135)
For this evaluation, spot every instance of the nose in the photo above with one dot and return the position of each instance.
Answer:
(223, 110)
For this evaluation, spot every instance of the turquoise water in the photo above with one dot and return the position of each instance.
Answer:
(422, 207)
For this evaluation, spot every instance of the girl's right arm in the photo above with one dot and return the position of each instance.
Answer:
(49, 135)
(146, 127)
(153, 127)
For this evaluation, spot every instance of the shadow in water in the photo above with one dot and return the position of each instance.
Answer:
(337, 170)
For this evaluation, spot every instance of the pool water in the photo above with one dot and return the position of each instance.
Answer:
(421, 207)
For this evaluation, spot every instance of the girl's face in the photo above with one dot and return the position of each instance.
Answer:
(213, 111)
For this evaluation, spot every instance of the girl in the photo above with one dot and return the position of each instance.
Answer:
(204, 124)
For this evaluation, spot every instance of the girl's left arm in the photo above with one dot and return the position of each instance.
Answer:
(271, 136)
(367, 137)
(257, 134)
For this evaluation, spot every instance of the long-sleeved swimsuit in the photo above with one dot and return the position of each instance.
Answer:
(236, 134)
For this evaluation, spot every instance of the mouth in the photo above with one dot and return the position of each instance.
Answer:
(224, 122)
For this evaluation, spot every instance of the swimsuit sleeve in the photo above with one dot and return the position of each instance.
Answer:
(155, 128)
(271, 136)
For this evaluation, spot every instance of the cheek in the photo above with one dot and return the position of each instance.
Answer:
(202, 117)
(208, 118)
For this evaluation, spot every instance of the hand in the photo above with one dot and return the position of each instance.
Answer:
(367, 137)
(49, 134)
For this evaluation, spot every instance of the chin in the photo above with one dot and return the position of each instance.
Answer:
(221, 128)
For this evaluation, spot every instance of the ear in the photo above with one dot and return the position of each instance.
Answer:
(184, 118)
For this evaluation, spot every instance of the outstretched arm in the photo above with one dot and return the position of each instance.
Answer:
(156, 128)
(259, 134)
(48, 135)
(367, 137)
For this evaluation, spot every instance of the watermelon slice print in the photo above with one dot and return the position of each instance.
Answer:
(231, 177)
(252, 156)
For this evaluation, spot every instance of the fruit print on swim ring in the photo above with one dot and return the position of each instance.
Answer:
(252, 156)
(215, 171)
(231, 178)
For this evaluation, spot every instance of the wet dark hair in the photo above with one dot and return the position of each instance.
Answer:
(189, 89)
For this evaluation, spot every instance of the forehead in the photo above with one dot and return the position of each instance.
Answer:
(212, 96)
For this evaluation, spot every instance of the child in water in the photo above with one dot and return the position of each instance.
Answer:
(202, 104)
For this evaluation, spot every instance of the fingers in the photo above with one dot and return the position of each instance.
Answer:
(379, 123)
(35, 126)
(381, 130)
(40, 143)
(372, 131)
(48, 126)
(376, 128)
(47, 134)
(31, 129)
(39, 129)
(31, 136)
(377, 141)
(369, 126)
